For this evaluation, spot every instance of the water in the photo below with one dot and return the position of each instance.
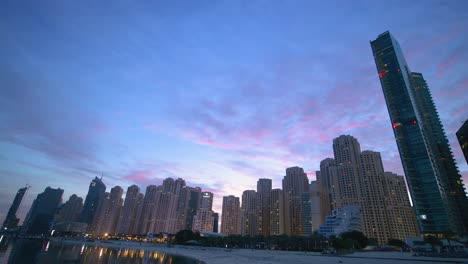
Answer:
(22, 251)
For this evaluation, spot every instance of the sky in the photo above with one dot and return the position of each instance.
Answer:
(219, 93)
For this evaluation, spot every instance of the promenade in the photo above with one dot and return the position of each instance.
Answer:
(249, 256)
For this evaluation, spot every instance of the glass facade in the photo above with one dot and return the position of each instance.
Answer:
(434, 181)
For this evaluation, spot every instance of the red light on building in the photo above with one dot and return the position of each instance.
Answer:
(382, 74)
(398, 70)
(395, 125)
(414, 121)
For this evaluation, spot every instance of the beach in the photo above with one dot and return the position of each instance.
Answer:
(211, 255)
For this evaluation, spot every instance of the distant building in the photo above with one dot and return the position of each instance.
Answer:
(231, 217)
(276, 212)
(215, 222)
(306, 212)
(203, 221)
(250, 210)
(95, 192)
(107, 216)
(129, 210)
(70, 210)
(357, 178)
(11, 221)
(295, 183)
(433, 178)
(148, 211)
(263, 203)
(315, 206)
(41, 215)
(462, 136)
(344, 219)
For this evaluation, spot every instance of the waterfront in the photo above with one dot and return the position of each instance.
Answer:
(44, 252)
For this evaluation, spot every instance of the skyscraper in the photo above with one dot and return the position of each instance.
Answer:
(107, 216)
(41, 215)
(295, 183)
(129, 210)
(11, 221)
(263, 200)
(276, 212)
(230, 224)
(70, 211)
(250, 210)
(203, 219)
(95, 192)
(462, 136)
(357, 178)
(435, 184)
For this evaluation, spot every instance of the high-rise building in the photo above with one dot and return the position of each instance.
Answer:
(95, 192)
(129, 210)
(295, 183)
(192, 206)
(206, 201)
(203, 221)
(41, 215)
(315, 206)
(374, 213)
(148, 212)
(401, 218)
(11, 221)
(230, 224)
(215, 222)
(250, 210)
(107, 216)
(435, 184)
(357, 178)
(134, 228)
(462, 136)
(70, 211)
(276, 212)
(263, 200)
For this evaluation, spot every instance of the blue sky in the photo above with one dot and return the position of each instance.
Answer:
(220, 93)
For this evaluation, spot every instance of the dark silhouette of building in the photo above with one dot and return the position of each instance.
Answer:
(462, 135)
(215, 222)
(70, 211)
(41, 215)
(11, 221)
(435, 184)
(96, 191)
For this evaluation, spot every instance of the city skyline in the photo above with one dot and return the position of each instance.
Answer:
(189, 94)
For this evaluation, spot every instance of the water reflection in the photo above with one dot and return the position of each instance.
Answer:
(31, 251)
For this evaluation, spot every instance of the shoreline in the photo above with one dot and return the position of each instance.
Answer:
(212, 255)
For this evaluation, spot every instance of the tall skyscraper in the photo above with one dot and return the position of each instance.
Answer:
(276, 212)
(41, 215)
(230, 224)
(435, 184)
(70, 211)
(95, 192)
(295, 183)
(462, 136)
(206, 201)
(107, 216)
(147, 217)
(11, 221)
(250, 210)
(129, 210)
(263, 200)
(315, 206)
(357, 178)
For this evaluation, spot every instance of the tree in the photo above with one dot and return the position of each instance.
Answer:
(357, 236)
(185, 235)
(396, 242)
